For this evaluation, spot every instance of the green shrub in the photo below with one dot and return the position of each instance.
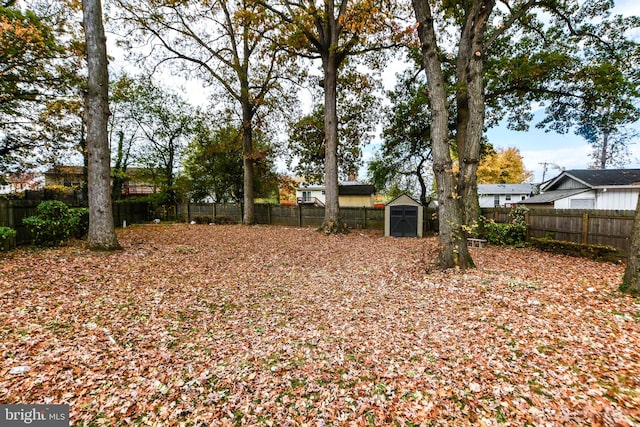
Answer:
(7, 239)
(596, 252)
(513, 233)
(505, 234)
(83, 222)
(55, 223)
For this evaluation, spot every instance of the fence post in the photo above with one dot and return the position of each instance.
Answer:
(364, 225)
(299, 215)
(527, 234)
(585, 228)
(269, 213)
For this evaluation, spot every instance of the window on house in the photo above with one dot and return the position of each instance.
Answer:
(508, 197)
(496, 200)
(306, 196)
(582, 203)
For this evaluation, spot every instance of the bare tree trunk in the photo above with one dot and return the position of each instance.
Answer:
(248, 216)
(631, 282)
(453, 251)
(472, 124)
(604, 150)
(332, 222)
(101, 234)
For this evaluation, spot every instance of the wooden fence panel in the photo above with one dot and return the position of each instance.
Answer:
(311, 216)
(131, 212)
(610, 228)
(285, 215)
(11, 214)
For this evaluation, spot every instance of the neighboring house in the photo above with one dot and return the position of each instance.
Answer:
(350, 194)
(606, 189)
(138, 183)
(18, 183)
(504, 195)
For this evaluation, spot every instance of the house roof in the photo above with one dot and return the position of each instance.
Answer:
(356, 190)
(347, 189)
(552, 196)
(506, 188)
(592, 178)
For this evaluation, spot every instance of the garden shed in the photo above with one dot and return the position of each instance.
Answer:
(403, 217)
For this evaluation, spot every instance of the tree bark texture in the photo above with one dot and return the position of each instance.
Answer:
(248, 215)
(453, 251)
(101, 234)
(471, 107)
(632, 272)
(330, 64)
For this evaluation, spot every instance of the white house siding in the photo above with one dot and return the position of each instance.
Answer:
(488, 201)
(617, 199)
(580, 199)
(315, 194)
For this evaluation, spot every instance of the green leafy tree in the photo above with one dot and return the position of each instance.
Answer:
(604, 99)
(358, 112)
(403, 162)
(39, 59)
(223, 42)
(513, 53)
(213, 165)
(125, 133)
(165, 122)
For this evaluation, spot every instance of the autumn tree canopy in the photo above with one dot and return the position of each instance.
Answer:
(39, 60)
(228, 44)
(502, 166)
(336, 32)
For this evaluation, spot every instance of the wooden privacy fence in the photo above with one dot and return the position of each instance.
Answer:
(592, 227)
(610, 228)
(295, 216)
(12, 212)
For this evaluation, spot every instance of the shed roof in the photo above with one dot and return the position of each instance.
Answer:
(403, 199)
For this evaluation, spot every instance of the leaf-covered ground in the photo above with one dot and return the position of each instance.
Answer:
(235, 325)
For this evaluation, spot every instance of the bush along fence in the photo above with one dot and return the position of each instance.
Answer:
(13, 212)
(602, 228)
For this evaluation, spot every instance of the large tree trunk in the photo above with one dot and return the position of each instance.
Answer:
(632, 273)
(332, 222)
(248, 216)
(471, 107)
(453, 252)
(101, 234)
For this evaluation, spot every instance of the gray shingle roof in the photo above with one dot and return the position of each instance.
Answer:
(605, 177)
(552, 196)
(506, 188)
